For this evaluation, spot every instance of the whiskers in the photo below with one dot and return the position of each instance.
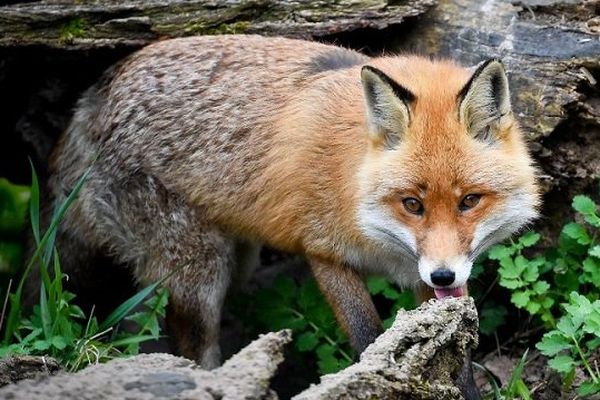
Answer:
(407, 251)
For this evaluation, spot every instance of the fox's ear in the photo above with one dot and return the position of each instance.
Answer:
(484, 100)
(387, 103)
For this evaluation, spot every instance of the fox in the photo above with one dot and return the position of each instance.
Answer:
(200, 150)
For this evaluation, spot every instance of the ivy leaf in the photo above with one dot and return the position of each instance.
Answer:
(562, 364)
(552, 344)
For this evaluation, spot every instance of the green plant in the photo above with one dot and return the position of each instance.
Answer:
(14, 201)
(302, 308)
(572, 343)
(400, 299)
(522, 276)
(561, 287)
(515, 388)
(76, 28)
(57, 326)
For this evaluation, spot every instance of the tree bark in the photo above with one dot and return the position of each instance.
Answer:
(74, 24)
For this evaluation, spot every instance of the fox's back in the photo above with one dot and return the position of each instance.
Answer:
(211, 98)
(199, 115)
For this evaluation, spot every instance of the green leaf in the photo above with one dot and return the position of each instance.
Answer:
(577, 232)
(327, 363)
(491, 317)
(41, 345)
(567, 327)
(533, 307)
(520, 299)
(584, 205)
(11, 256)
(595, 251)
(517, 374)
(530, 274)
(376, 284)
(14, 201)
(307, 341)
(285, 287)
(127, 306)
(553, 343)
(594, 343)
(132, 340)
(391, 293)
(59, 342)
(540, 287)
(522, 390)
(547, 302)
(499, 252)
(588, 388)
(511, 283)
(529, 239)
(563, 364)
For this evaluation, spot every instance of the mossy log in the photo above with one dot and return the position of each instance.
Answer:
(77, 24)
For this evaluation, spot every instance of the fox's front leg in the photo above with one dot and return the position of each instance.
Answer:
(347, 294)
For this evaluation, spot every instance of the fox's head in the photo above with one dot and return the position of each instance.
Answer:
(447, 172)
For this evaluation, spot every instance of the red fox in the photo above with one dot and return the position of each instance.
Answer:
(208, 147)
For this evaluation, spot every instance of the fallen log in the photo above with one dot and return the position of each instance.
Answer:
(105, 23)
(418, 358)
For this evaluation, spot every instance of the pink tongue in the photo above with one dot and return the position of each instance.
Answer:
(454, 292)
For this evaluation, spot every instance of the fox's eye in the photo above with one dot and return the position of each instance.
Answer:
(413, 205)
(469, 201)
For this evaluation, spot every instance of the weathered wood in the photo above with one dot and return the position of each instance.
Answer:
(76, 24)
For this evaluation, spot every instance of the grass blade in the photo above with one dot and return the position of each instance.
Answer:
(125, 308)
(34, 204)
(15, 310)
(132, 340)
(45, 313)
(492, 381)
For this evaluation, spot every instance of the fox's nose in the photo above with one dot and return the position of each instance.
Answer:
(442, 277)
